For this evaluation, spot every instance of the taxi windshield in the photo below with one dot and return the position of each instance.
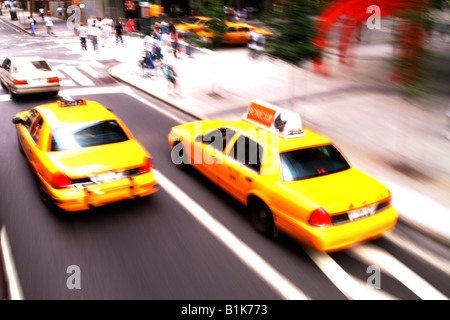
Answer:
(311, 162)
(87, 134)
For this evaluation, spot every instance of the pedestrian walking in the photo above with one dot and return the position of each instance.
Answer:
(107, 23)
(174, 39)
(171, 76)
(32, 25)
(148, 46)
(251, 44)
(49, 25)
(118, 29)
(93, 34)
(82, 33)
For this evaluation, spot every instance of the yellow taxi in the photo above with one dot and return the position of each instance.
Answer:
(236, 33)
(83, 155)
(292, 179)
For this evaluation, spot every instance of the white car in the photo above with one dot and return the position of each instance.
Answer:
(28, 75)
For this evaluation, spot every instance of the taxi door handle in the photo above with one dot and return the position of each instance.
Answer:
(249, 179)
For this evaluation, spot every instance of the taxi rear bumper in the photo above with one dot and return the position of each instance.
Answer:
(339, 237)
(84, 198)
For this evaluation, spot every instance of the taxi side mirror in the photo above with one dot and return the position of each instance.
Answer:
(18, 120)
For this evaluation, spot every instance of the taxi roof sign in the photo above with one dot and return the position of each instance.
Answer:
(71, 103)
(280, 121)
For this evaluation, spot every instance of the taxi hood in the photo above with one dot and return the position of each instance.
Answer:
(85, 162)
(341, 191)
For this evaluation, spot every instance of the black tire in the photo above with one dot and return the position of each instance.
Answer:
(180, 156)
(54, 93)
(262, 218)
(12, 95)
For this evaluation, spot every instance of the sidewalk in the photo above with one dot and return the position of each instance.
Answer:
(400, 142)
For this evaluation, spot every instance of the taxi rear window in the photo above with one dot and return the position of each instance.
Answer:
(87, 134)
(29, 66)
(311, 162)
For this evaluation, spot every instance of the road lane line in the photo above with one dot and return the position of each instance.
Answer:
(352, 288)
(155, 107)
(249, 257)
(373, 255)
(438, 262)
(14, 288)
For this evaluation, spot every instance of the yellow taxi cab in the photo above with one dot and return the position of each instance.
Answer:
(291, 179)
(83, 155)
(236, 33)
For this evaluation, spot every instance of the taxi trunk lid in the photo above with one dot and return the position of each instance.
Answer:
(342, 191)
(92, 161)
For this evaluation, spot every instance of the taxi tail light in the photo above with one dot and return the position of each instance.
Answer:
(147, 166)
(53, 80)
(60, 180)
(20, 82)
(320, 217)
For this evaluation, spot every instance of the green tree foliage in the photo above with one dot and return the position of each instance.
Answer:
(213, 9)
(293, 30)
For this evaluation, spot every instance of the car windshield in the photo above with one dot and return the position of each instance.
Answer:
(87, 134)
(311, 162)
(27, 66)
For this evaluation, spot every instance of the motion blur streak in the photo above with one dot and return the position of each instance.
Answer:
(15, 290)
(267, 273)
(437, 261)
(395, 268)
(352, 288)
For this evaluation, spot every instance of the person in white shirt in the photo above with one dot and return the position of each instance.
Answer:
(49, 25)
(82, 33)
(148, 46)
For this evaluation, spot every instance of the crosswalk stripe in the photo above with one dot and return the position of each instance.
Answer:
(351, 287)
(78, 76)
(376, 256)
(438, 262)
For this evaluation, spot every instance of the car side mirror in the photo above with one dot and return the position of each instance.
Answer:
(18, 120)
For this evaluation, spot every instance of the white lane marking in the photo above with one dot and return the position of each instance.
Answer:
(438, 262)
(78, 76)
(92, 91)
(255, 262)
(351, 287)
(155, 107)
(5, 97)
(373, 255)
(67, 83)
(14, 288)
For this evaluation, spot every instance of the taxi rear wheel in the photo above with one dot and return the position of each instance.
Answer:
(261, 217)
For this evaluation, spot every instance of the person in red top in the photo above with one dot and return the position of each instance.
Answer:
(131, 25)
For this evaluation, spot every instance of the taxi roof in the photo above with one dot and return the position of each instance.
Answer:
(92, 111)
(310, 138)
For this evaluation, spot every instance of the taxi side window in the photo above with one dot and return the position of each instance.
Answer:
(218, 139)
(36, 128)
(247, 152)
(30, 117)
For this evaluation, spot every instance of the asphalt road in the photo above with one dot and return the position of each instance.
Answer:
(154, 248)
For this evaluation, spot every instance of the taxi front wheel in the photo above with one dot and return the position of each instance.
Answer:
(262, 218)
